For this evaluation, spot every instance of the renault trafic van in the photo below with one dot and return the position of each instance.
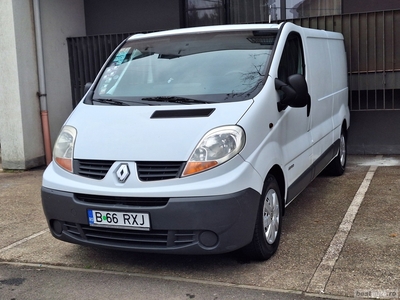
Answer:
(193, 141)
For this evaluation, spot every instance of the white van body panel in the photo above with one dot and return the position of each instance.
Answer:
(324, 64)
(289, 149)
(113, 128)
(227, 179)
(218, 207)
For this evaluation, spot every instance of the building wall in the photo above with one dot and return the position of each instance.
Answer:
(59, 19)
(21, 137)
(361, 6)
(21, 140)
(20, 130)
(374, 132)
(121, 16)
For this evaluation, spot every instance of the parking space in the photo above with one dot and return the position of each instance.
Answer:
(316, 255)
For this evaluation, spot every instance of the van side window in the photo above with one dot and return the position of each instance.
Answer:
(292, 60)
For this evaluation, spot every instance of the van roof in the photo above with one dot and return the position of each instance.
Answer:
(207, 29)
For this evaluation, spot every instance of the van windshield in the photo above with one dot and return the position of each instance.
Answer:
(202, 68)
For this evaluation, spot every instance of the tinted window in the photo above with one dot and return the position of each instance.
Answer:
(292, 60)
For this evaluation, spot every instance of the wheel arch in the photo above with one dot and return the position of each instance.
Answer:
(345, 127)
(277, 172)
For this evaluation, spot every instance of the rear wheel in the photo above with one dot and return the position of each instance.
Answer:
(267, 230)
(338, 164)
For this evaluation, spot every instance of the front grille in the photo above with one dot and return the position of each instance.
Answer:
(95, 169)
(113, 200)
(147, 171)
(152, 171)
(131, 238)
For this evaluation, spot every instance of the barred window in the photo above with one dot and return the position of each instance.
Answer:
(251, 11)
(216, 12)
(312, 8)
(205, 12)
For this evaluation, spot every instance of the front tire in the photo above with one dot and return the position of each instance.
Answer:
(267, 231)
(338, 164)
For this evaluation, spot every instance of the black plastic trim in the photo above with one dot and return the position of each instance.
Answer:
(230, 217)
(184, 113)
(313, 171)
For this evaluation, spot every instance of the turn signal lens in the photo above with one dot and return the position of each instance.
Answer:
(216, 147)
(193, 167)
(63, 152)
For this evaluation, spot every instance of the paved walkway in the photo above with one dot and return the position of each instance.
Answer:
(341, 238)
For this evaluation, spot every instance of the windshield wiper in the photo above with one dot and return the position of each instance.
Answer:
(110, 101)
(174, 99)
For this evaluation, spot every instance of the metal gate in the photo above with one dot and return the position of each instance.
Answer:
(372, 44)
(86, 57)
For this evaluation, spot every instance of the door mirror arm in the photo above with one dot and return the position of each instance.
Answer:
(286, 93)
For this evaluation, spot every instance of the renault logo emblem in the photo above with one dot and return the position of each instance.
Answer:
(123, 172)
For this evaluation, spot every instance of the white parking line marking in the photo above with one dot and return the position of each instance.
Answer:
(322, 274)
(24, 240)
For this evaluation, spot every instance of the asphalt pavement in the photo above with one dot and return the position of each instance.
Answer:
(340, 239)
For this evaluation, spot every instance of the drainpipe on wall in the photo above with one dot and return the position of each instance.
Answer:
(42, 84)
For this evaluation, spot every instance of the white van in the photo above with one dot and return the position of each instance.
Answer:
(193, 141)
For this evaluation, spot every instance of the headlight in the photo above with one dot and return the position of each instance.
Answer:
(216, 147)
(63, 152)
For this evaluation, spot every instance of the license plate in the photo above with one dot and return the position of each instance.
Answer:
(119, 219)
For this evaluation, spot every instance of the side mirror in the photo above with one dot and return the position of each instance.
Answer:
(294, 93)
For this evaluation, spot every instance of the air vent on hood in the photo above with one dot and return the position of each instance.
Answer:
(184, 113)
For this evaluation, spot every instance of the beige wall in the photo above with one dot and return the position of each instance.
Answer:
(21, 136)
(60, 19)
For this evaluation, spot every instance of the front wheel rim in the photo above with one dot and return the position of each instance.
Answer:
(271, 216)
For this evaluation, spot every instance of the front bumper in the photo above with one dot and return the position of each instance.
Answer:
(184, 225)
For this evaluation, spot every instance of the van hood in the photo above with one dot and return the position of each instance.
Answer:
(148, 133)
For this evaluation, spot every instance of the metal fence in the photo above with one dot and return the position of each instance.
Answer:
(86, 57)
(372, 44)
